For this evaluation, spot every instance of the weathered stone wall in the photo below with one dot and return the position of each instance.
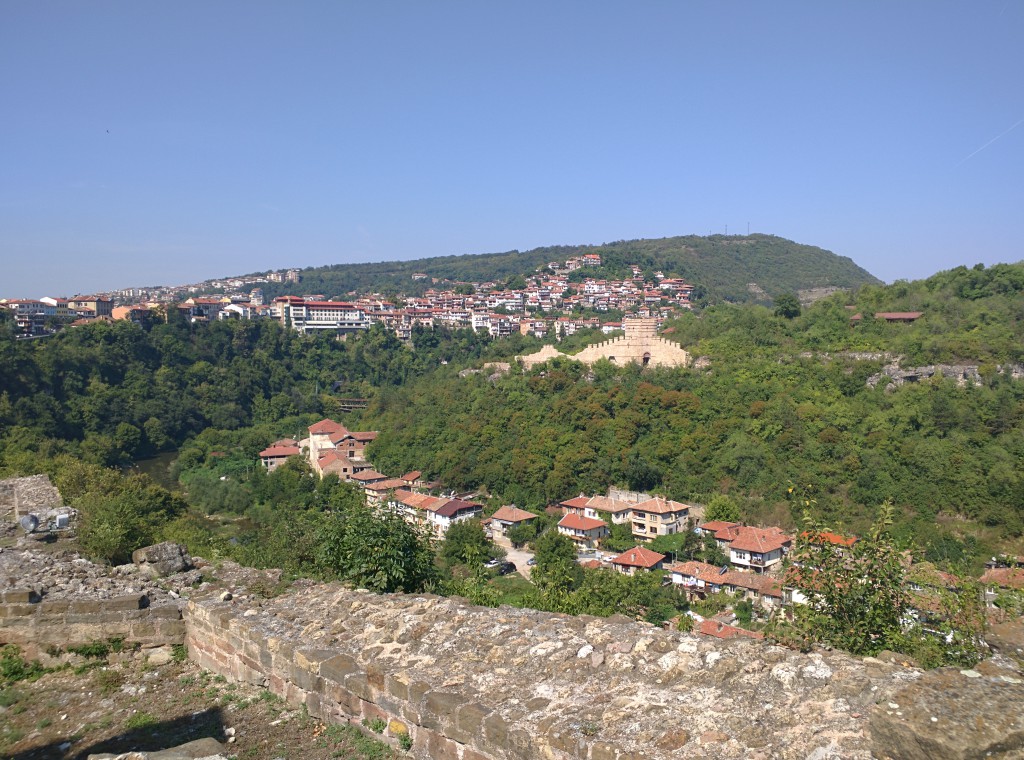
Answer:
(36, 624)
(470, 683)
(20, 496)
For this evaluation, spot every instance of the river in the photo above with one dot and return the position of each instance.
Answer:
(159, 469)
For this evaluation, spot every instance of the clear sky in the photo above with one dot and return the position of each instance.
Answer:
(159, 143)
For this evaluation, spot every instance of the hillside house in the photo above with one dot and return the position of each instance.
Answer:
(508, 517)
(758, 549)
(638, 559)
(275, 455)
(585, 532)
(327, 436)
(698, 579)
(657, 517)
(435, 513)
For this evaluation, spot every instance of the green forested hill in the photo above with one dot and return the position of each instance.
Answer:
(720, 266)
(781, 402)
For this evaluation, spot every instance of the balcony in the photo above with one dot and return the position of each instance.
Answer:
(757, 560)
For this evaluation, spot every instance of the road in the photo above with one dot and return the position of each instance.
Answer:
(518, 557)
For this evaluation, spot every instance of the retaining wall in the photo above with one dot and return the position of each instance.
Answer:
(36, 625)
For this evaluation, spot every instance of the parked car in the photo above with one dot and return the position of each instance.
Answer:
(531, 561)
(505, 568)
(492, 563)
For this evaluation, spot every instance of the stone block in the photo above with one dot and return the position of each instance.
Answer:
(129, 602)
(164, 612)
(305, 680)
(439, 710)
(172, 629)
(441, 748)
(162, 559)
(17, 610)
(602, 751)
(19, 596)
(54, 607)
(397, 687)
(306, 657)
(87, 606)
(142, 630)
(469, 721)
(356, 683)
(375, 674)
(338, 668)
(347, 703)
(495, 730)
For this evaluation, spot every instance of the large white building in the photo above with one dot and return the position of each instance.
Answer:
(314, 316)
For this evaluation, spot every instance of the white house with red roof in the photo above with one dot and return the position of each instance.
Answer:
(648, 518)
(584, 531)
(758, 549)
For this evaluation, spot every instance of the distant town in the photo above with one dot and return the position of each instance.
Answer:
(544, 306)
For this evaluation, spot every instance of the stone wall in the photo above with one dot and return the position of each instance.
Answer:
(20, 496)
(509, 684)
(36, 625)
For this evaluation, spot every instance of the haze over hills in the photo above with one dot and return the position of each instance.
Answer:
(739, 268)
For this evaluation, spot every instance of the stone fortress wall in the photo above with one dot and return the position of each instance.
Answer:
(473, 683)
(640, 344)
(20, 496)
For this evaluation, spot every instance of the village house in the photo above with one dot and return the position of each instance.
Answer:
(435, 513)
(508, 517)
(648, 518)
(636, 559)
(586, 532)
(658, 517)
(698, 579)
(758, 549)
(345, 447)
(276, 453)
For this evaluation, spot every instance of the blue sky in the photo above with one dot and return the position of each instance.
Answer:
(161, 143)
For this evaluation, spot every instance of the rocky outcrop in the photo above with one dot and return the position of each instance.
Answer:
(964, 374)
(163, 559)
(954, 715)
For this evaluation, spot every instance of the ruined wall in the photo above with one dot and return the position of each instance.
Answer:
(471, 683)
(20, 496)
(36, 625)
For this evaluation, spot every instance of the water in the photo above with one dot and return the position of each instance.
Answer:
(159, 469)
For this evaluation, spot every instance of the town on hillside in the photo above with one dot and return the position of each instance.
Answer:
(542, 307)
(748, 567)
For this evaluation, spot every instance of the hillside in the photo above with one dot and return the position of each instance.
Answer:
(722, 267)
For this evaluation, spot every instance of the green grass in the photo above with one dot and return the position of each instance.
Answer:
(512, 588)
(140, 720)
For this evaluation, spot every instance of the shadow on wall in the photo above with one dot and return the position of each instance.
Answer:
(151, 737)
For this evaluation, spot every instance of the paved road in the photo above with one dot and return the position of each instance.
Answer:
(518, 557)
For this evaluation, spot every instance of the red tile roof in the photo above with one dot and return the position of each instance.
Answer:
(660, 506)
(367, 476)
(412, 476)
(638, 556)
(325, 426)
(512, 514)
(280, 451)
(722, 631)
(831, 538)
(1005, 577)
(577, 522)
(759, 540)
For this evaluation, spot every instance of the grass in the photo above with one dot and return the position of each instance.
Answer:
(140, 720)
